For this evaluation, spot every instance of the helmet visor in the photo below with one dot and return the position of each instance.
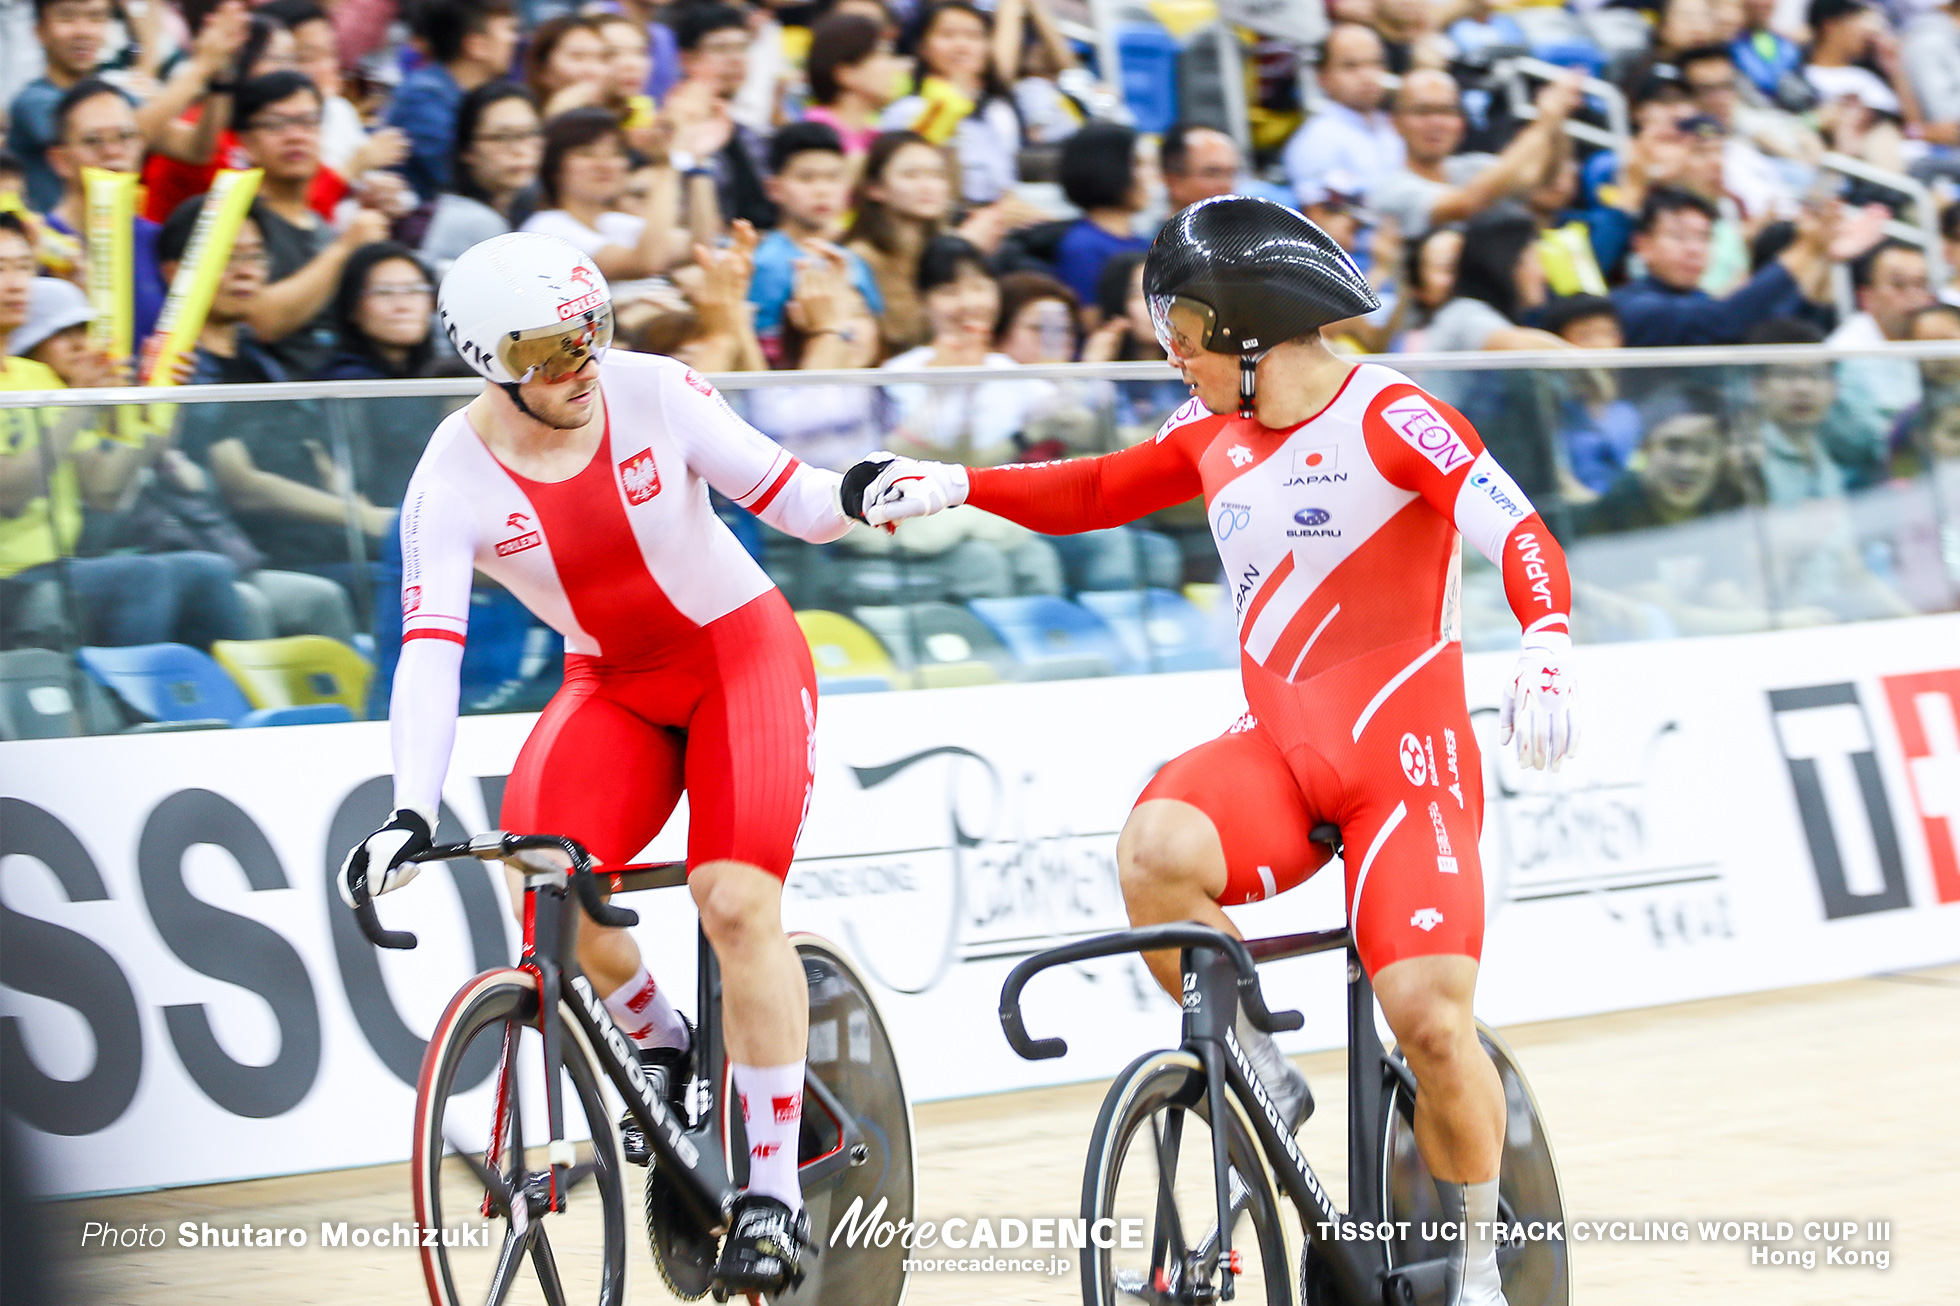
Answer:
(553, 353)
(1184, 325)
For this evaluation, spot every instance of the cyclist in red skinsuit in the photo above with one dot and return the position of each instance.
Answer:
(1339, 496)
(580, 483)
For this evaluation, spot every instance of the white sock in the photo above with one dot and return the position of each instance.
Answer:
(644, 1013)
(772, 1116)
(1473, 1281)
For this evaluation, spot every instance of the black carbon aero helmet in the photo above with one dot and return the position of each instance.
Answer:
(1238, 275)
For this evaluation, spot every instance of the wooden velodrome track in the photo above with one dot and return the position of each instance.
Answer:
(1830, 1102)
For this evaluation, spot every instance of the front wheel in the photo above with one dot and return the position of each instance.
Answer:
(484, 1199)
(1150, 1177)
(1536, 1270)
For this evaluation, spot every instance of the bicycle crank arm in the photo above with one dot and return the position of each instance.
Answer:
(1419, 1283)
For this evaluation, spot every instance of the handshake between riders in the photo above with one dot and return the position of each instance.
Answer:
(685, 668)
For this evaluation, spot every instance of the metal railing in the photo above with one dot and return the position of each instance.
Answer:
(1923, 230)
(1617, 132)
(1690, 357)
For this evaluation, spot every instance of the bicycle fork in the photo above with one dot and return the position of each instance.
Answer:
(1210, 1013)
(1210, 1020)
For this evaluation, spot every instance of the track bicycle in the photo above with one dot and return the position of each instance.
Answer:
(1160, 1157)
(526, 1051)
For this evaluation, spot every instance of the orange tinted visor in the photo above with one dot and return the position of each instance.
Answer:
(1184, 326)
(555, 352)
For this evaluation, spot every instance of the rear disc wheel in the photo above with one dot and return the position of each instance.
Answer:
(1536, 1271)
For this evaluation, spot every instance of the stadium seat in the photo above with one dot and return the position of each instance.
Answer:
(38, 698)
(511, 661)
(849, 658)
(1159, 628)
(175, 683)
(297, 671)
(939, 644)
(1148, 55)
(1039, 628)
(1206, 594)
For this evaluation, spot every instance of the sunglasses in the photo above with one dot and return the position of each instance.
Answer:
(555, 353)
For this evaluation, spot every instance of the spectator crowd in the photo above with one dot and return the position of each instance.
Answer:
(915, 184)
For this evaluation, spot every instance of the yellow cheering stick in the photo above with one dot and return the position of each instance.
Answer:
(203, 265)
(109, 223)
(945, 109)
(109, 206)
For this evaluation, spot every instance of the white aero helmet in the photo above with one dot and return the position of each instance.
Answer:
(524, 304)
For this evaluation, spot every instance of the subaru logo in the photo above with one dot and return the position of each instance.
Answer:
(1313, 516)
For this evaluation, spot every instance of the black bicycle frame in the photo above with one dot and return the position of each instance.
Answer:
(1218, 979)
(553, 900)
(1360, 1265)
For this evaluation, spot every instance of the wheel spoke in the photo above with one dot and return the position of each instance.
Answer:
(547, 1267)
(508, 1257)
(1170, 1234)
(493, 1183)
(1241, 1193)
(578, 1174)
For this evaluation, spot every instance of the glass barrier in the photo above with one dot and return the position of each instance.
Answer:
(230, 556)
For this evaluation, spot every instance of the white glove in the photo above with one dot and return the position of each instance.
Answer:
(903, 487)
(406, 834)
(1537, 709)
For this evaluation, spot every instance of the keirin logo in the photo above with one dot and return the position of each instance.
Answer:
(1415, 760)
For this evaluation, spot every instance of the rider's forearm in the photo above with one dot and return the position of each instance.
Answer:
(1497, 520)
(1536, 581)
(801, 500)
(422, 719)
(1087, 494)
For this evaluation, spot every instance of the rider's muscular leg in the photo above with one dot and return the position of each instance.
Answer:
(1172, 868)
(1460, 1101)
(765, 1009)
(767, 1015)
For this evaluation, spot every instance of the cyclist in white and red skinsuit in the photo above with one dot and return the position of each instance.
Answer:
(579, 481)
(1339, 506)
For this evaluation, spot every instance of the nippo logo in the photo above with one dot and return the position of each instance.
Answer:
(1427, 433)
(640, 477)
(411, 599)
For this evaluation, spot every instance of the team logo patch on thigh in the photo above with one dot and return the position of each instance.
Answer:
(1415, 761)
(1426, 919)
